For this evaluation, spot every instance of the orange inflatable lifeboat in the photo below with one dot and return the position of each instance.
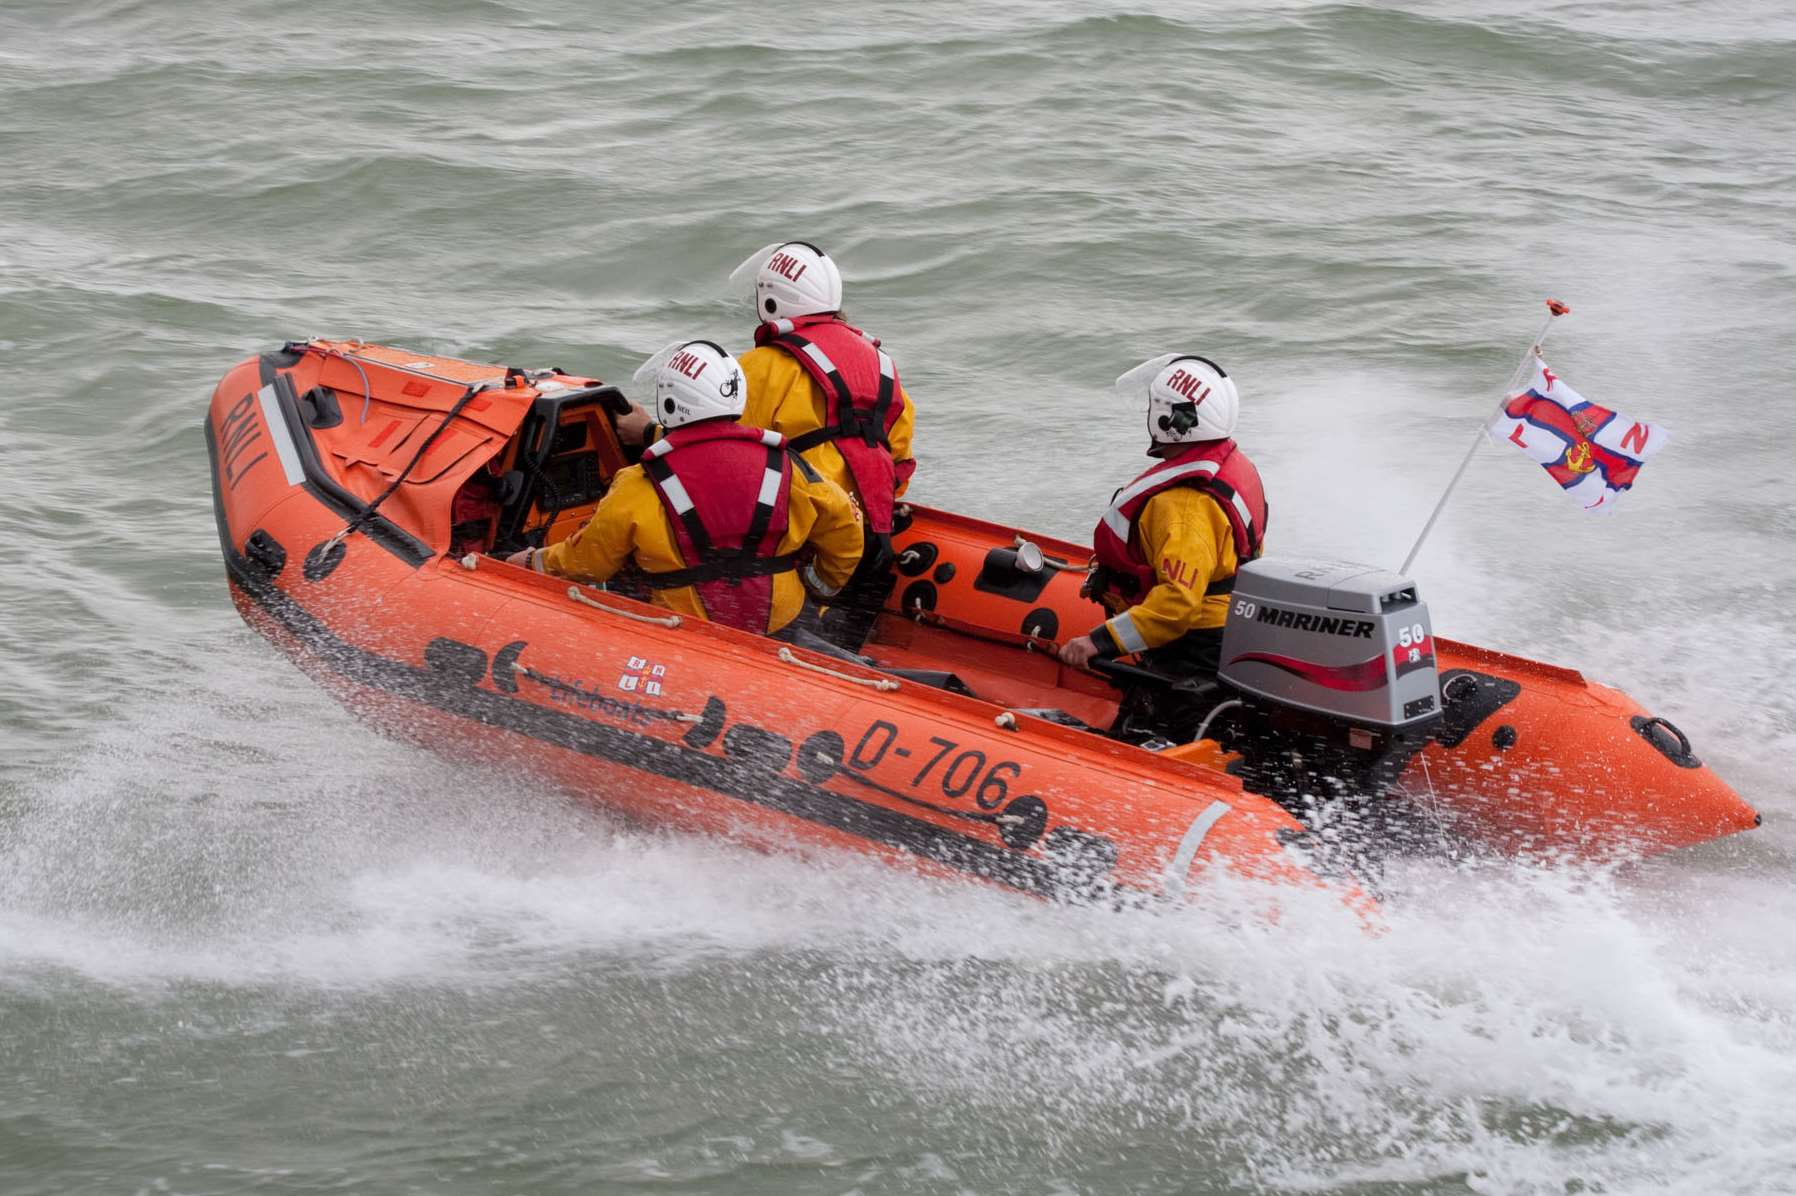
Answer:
(362, 491)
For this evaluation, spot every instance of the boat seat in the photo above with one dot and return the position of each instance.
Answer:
(934, 678)
(810, 641)
(1055, 715)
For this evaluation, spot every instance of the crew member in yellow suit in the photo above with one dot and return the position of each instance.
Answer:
(686, 512)
(1186, 534)
(783, 399)
(1168, 547)
(834, 394)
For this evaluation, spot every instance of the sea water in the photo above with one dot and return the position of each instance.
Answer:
(246, 945)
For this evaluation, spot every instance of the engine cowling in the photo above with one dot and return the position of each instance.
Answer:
(1349, 641)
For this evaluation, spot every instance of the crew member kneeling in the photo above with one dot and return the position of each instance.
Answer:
(725, 522)
(1168, 547)
(834, 394)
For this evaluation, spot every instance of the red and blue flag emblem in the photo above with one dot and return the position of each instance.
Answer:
(1593, 453)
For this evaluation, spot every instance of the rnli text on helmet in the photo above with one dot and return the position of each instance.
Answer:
(786, 266)
(687, 363)
(1186, 384)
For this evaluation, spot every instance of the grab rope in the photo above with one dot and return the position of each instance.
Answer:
(660, 621)
(366, 515)
(880, 683)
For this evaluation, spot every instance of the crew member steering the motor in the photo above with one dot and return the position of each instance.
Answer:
(1168, 546)
(834, 394)
(725, 521)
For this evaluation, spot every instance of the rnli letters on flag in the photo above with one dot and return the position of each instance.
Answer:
(1592, 452)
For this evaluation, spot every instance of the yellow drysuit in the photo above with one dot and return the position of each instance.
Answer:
(1186, 536)
(782, 398)
(632, 523)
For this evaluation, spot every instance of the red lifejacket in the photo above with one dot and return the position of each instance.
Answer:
(726, 489)
(1215, 467)
(860, 386)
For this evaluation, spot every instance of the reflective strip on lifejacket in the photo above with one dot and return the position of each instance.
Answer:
(676, 492)
(820, 357)
(1119, 523)
(662, 447)
(770, 488)
(813, 581)
(810, 349)
(1128, 636)
(1240, 505)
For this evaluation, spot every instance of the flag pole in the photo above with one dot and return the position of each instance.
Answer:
(1555, 309)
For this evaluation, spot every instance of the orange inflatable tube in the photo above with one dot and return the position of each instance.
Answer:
(356, 487)
(1530, 758)
(673, 721)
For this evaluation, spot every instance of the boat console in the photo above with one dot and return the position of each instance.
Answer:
(554, 471)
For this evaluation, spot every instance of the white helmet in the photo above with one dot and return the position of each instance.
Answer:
(793, 278)
(693, 381)
(1189, 398)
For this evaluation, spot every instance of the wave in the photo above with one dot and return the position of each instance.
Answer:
(1512, 1028)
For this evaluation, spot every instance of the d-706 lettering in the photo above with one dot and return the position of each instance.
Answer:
(963, 771)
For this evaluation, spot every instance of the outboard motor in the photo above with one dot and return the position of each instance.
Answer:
(1333, 664)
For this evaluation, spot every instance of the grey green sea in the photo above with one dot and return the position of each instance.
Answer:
(247, 945)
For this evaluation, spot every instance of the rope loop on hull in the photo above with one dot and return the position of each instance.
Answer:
(886, 684)
(659, 620)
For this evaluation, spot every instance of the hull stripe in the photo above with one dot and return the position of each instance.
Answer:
(282, 436)
(1177, 868)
